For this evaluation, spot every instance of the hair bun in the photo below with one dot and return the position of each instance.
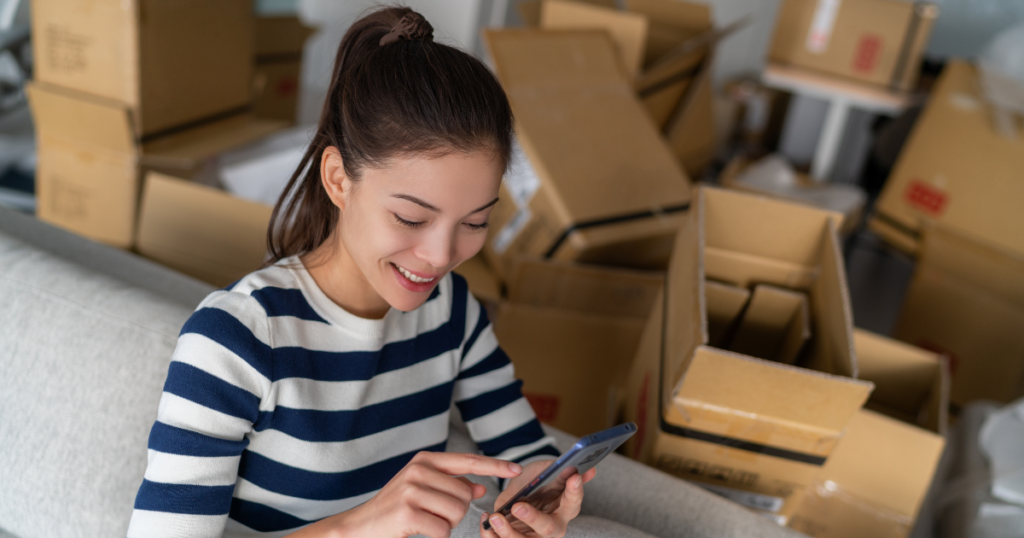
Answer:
(411, 26)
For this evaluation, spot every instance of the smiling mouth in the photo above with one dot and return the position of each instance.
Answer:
(405, 272)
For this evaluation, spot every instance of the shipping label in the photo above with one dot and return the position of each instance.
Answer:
(822, 24)
(756, 501)
(869, 48)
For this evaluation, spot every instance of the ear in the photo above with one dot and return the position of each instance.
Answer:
(333, 177)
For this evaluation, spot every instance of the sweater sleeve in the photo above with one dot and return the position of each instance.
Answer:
(216, 382)
(490, 397)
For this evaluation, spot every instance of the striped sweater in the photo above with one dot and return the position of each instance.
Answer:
(280, 408)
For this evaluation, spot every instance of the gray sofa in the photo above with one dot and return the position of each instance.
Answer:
(86, 334)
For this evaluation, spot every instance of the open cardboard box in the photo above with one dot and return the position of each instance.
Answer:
(955, 170)
(966, 301)
(571, 331)
(875, 41)
(168, 63)
(753, 430)
(91, 162)
(593, 182)
(874, 482)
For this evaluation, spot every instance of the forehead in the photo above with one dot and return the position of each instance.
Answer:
(450, 181)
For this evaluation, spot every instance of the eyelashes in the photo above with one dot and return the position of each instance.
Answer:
(414, 225)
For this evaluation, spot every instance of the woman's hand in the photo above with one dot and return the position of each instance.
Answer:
(548, 520)
(423, 498)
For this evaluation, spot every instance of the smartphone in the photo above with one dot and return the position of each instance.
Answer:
(545, 490)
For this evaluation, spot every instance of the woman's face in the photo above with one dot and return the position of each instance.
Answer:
(407, 225)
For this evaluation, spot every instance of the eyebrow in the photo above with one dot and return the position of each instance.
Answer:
(426, 205)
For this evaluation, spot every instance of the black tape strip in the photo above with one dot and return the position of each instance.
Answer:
(915, 234)
(197, 123)
(610, 220)
(669, 81)
(732, 442)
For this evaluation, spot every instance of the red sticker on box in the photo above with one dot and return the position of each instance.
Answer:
(925, 197)
(288, 86)
(544, 405)
(868, 50)
(943, 353)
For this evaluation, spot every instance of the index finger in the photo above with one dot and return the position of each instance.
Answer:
(457, 463)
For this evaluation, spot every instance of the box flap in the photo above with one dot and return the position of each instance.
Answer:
(280, 38)
(188, 149)
(911, 384)
(81, 119)
(627, 30)
(589, 289)
(724, 304)
(200, 230)
(774, 326)
(583, 128)
(672, 22)
(758, 387)
(998, 271)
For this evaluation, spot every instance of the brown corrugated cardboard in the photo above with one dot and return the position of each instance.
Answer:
(201, 231)
(604, 187)
(911, 384)
(724, 305)
(774, 326)
(90, 165)
(170, 63)
(966, 301)
(627, 30)
(481, 280)
(955, 169)
(572, 349)
(279, 44)
(755, 430)
(874, 41)
(529, 10)
(873, 482)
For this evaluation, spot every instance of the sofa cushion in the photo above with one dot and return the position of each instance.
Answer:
(83, 358)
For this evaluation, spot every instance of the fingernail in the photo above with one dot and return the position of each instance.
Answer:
(515, 467)
(496, 522)
(483, 517)
(520, 511)
(578, 482)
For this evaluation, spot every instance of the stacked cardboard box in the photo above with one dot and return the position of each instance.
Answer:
(279, 44)
(126, 88)
(754, 430)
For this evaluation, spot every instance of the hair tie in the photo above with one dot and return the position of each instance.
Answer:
(412, 26)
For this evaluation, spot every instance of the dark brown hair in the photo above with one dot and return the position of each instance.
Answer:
(407, 97)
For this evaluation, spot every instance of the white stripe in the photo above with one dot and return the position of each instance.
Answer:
(148, 524)
(246, 309)
(300, 393)
(501, 421)
(215, 359)
(520, 451)
(309, 510)
(188, 415)
(197, 471)
(349, 455)
(472, 387)
(485, 344)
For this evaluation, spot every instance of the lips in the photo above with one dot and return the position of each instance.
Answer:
(413, 282)
(413, 276)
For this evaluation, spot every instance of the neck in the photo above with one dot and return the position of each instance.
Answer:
(341, 280)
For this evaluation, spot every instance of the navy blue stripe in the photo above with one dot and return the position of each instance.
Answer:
(263, 518)
(527, 433)
(173, 440)
(434, 294)
(226, 330)
(489, 402)
(460, 299)
(497, 359)
(184, 499)
(294, 482)
(334, 426)
(286, 302)
(362, 365)
(481, 323)
(211, 391)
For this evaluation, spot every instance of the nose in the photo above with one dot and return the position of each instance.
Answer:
(438, 247)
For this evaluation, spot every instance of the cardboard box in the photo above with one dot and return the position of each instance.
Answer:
(875, 41)
(627, 30)
(169, 63)
(774, 326)
(593, 181)
(573, 349)
(724, 303)
(279, 44)
(966, 301)
(753, 430)
(956, 170)
(200, 230)
(91, 164)
(483, 284)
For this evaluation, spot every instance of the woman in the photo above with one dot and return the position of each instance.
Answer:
(311, 398)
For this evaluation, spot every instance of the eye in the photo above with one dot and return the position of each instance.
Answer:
(476, 226)
(407, 223)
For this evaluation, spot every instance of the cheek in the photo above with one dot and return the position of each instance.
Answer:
(470, 244)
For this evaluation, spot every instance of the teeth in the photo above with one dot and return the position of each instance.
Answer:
(411, 276)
